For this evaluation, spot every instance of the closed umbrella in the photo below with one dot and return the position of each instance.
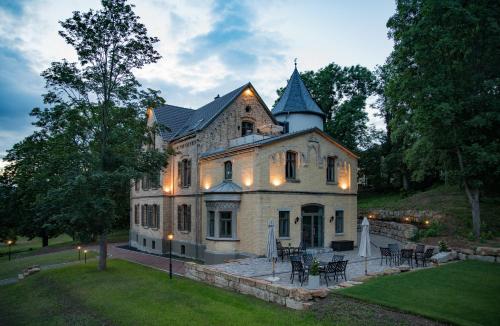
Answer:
(271, 251)
(364, 243)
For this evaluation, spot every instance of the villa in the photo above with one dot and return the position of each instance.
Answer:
(236, 166)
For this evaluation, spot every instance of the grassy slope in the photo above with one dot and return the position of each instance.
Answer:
(15, 266)
(445, 199)
(130, 294)
(465, 293)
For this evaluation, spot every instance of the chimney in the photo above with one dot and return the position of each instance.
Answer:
(216, 97)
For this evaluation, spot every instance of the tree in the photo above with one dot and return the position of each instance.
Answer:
(95, 121)
(446, 65)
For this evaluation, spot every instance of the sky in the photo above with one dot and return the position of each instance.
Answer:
(207, 47)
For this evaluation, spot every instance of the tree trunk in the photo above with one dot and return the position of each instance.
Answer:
(473, 196)
(406, 184)
(45, 240)
(103, 251)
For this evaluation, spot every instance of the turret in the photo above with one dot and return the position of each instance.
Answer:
(296, 110)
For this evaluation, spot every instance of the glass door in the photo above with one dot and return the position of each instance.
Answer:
(312, 227)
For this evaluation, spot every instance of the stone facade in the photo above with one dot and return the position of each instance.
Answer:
(397, 231)
(259, 170)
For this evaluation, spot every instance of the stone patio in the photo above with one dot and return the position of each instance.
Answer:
(261, 268)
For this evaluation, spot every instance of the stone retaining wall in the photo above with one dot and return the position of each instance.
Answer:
(295, 298)
(488, 254)
(416, 216)
(398, 231)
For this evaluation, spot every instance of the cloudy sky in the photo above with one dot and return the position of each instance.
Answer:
(208, 47)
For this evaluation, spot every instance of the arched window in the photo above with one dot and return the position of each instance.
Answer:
(291, 165)
(330, 169)
(246, 128)
(228, 170)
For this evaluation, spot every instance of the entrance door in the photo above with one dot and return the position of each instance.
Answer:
(312, 226)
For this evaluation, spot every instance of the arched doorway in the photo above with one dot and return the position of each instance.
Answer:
(312, 225)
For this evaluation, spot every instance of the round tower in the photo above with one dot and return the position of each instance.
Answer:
(296, 110)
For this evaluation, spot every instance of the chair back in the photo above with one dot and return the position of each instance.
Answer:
(393, 247)
(337, 258)
(429, 252)
(385, 252)
(308, 259)
(420, 248)
(332, 266)
(341, 266)
(297, 266)
(406, 253)
(278, 244)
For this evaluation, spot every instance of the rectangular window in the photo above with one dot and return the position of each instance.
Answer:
(246, 128)
(155, 180)
(225, 225)
(136, 214)
(144, 242)
(184, 218)
(286, 127)
(157, 216)
(339, 221)
(284, 224)
(153, 244)
(143, 215)
(149, 211)
(137, 184)
(291, 165)
(330, 169)
(228, 170)
(184, 174)
(211, 224)
(145, 182)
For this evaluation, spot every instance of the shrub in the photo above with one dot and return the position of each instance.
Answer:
(443, 246)
(314, 270)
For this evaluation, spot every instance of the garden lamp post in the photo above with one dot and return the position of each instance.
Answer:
(85, 255)
(10, 245)
(170, 237)
(79, 252)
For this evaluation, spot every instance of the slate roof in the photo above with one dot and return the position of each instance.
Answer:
(296, 98)
(224, 187)
(204, 115)
(182, 121)
(172, 117)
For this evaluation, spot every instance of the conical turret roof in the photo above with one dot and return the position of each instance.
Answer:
(296, 99)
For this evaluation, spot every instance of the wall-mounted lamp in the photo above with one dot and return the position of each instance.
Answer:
(331, 218)
(297, 219)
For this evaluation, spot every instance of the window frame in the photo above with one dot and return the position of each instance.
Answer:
(211, 224)
(136, 214)
(244, 127)
(330, 169)
(184, 218)
(291, 165)
(184, 173)
(339, 217)
(280, 227)
(223, 223)
(228, 171)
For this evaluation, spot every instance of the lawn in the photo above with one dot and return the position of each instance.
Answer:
(464, 293)
(11, 268)
(130, 294)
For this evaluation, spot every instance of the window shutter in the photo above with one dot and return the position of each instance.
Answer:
(188, 219)
(179, 173)
(179, 217)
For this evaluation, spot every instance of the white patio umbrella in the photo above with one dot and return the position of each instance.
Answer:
(364, 243)
(271, 251)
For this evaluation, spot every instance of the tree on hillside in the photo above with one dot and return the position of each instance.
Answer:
(341, 92)
(95, 120)
(446, 81)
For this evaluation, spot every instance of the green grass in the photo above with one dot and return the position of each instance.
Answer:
(11, 268)
(446, 199)
(464, 293)
(24, 247)
(130, 294)
(22, 244)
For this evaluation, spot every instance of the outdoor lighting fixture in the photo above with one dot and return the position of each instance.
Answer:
(85, 255)
(331, 218)
(166, 189)
(170, 237)
(10, 244)
(343, 186)
(276, 182)
(297, 219)
(407, 219)
(79, 252)
(427, 222)
(248, 92)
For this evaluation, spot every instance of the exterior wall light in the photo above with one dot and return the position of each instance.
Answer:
(332, 218)
(297, 219)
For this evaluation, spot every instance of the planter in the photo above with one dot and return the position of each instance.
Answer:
(313, 282)
(342, 245)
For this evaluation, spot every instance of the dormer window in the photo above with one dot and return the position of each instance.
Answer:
(228, 170)
(246, 128)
